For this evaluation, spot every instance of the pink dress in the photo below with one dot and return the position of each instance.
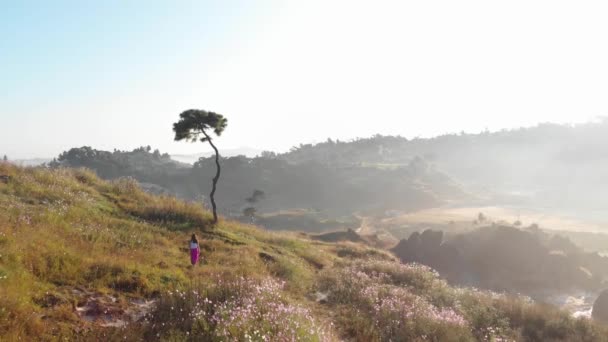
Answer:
(194, 252)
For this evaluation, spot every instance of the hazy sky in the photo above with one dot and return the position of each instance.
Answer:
(116, 74)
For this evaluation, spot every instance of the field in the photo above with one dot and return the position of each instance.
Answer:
(459, 219)
(85, 259)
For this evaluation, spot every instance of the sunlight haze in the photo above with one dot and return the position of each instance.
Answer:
(291, 72)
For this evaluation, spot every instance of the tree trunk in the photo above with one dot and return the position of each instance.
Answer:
(215, 179)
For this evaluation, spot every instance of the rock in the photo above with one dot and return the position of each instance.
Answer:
(267, 257)
(600, 307)
(49, 300)
(406, 249)
(321, 297)
(431, 239)
(5, 179)
(422, 248)
(414, 239)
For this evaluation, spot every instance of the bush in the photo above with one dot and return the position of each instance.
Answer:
(242, 309)
(378, 306)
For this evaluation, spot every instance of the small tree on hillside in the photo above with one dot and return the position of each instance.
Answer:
(5, 158)
(256, 196)
(250, 212)
(194, 125)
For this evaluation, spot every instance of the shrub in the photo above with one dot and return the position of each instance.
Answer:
(378, 305)
(242, 309)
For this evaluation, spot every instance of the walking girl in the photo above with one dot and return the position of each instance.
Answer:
(195, 250)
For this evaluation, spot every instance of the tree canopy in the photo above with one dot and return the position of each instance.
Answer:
(194, 122)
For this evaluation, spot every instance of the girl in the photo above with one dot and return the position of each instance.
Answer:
(194, 250)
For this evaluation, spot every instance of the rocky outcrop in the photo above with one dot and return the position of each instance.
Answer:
(600, 307)
(505, 258)
(421, 248)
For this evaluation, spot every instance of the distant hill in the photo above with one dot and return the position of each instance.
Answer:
(193, 158)
(31, 162)
(549, 165)
(332, 191)
(555, 167)
(182, 158)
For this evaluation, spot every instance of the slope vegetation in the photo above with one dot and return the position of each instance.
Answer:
(86, 259)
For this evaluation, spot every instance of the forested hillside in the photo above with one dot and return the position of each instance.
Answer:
(330, 190)
(549, 165)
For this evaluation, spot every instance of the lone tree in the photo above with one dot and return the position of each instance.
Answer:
(257, 195)
(249, 212)
(194, 125)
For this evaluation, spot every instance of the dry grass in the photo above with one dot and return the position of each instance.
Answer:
(466, 215)
(64, 232)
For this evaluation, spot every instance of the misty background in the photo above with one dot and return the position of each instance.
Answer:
(288, 72)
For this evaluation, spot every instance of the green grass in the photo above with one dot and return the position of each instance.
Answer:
(65, 233)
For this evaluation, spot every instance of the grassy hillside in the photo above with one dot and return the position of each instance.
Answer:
(86, 259)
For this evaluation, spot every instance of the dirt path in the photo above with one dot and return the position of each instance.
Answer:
(365, 228)
(108, 310)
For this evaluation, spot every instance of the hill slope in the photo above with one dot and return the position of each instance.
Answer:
(548, 165)
(86, 259)
(334, 192)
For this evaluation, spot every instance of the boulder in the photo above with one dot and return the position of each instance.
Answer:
(600, 307)
(414, 239)
(431, 240)
(422, 248)
(404, 250)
